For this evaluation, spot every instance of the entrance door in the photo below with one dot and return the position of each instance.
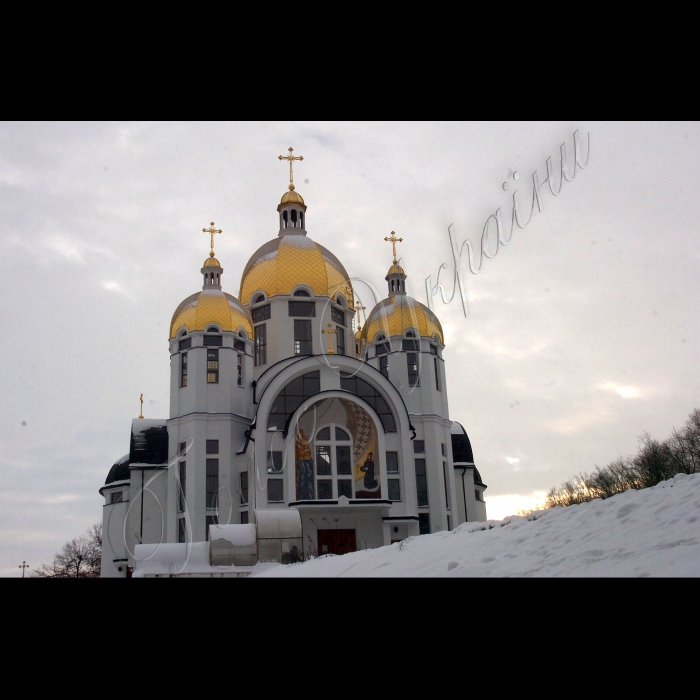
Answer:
(336, 541)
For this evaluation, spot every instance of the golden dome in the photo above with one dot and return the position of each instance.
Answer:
(211, 306)
(291, 197)
(395, 270)
(212, 262)
(288, 261)
(395, 315)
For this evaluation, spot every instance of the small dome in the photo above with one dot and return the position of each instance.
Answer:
(288, 261)
(395, 270)
(395, 315)
(119, 472)
(291, 197)
(211, 262)
(211, 306)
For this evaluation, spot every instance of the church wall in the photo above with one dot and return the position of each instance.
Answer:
(148, 498)
(369, 528)
(113, 546)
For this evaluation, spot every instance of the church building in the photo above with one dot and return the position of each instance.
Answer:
(297, 426)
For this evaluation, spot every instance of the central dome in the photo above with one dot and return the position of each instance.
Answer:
(288, 261)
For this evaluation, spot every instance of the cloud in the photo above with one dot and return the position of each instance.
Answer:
(112, 286)
(65, 248)
(626, 392)
(499, 507)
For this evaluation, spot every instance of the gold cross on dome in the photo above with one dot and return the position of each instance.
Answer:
(291, 160)
(359, 308)
(394, 240)
(330, 339)
(141, 414)
(211, 231)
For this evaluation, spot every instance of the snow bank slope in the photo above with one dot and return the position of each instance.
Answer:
(654, 532)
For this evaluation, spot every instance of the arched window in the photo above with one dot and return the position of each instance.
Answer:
(301, 219)
(213, 329)
(183, 332)
(410, 334)
(301, 293)
(294, 218)
(259, 298)
(284, 217)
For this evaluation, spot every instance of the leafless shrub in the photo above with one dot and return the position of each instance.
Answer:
(79, 558)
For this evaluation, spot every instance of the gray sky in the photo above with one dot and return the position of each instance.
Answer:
(583, 332)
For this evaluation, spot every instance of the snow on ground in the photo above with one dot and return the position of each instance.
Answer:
(654, 532)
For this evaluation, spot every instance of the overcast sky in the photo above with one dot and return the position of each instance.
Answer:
(582, 333)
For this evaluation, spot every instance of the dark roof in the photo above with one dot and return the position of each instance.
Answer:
(149, 445)
(461, 447)
(477, 477)
(149, 441)
(119, 471)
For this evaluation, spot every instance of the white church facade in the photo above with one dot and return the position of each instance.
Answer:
(294, 430)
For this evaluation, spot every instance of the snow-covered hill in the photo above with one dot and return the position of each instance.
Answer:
(654, 532)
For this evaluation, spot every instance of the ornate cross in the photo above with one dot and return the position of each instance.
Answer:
(330, 340)
(211, 231)
(291, 160)
(141, 414)
(358, 308)
(23, 566)
(394, 240)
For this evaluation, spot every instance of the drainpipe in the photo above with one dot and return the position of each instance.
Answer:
(464, 492)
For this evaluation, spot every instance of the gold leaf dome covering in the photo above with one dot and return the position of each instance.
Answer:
(211, 262)
(395, 315)
(288, 261)
(211, 306)
(395, 270)
(292, 197)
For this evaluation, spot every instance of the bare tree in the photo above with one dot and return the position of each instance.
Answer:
(79, 558)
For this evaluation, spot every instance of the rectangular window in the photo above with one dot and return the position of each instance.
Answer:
(394, 489)
(410, 345)
(447, 493)
(212, 366)
(343, 462)
(477, 495)
(444, 451)
(382, 348)
(345, 488)
(183, 369)
(244, 517)
(392, 462)
(181, 530)
(183, 475)
(239, 369)
(261, 313)
(116, 497)
(212, 482)
(438, 386)
(274, 462)
(213, 341)
(325, 489)
(260, 345)
(323, 460)
(424, 523)
(275, 490)
(302, 308)
(419, 446)
(337, 316)
(183, 448)
(244, 488)
(384, 365)
(449, 522)
(341, 340)
(302, 337)
(421, 483)
(433, 349)
(239, 345)
(412, 363)
(185, 344)
(212, 447)
(211, 520)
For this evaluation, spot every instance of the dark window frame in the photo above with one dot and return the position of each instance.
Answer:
(338, 316)
(302, 309)
(413, 369)
(438, 383)
(340, 335)
(261, 313)
(184, 362)
(419, 447)
(260, 345)
(384, 365)
(212, 447)
(213, 366)
(303, 339)
(394, 484)
(391, 462)
(182, 496)
(421, 482)
(275, 484)
(212, 482)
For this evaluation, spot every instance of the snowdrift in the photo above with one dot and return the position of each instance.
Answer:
(653, 532)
